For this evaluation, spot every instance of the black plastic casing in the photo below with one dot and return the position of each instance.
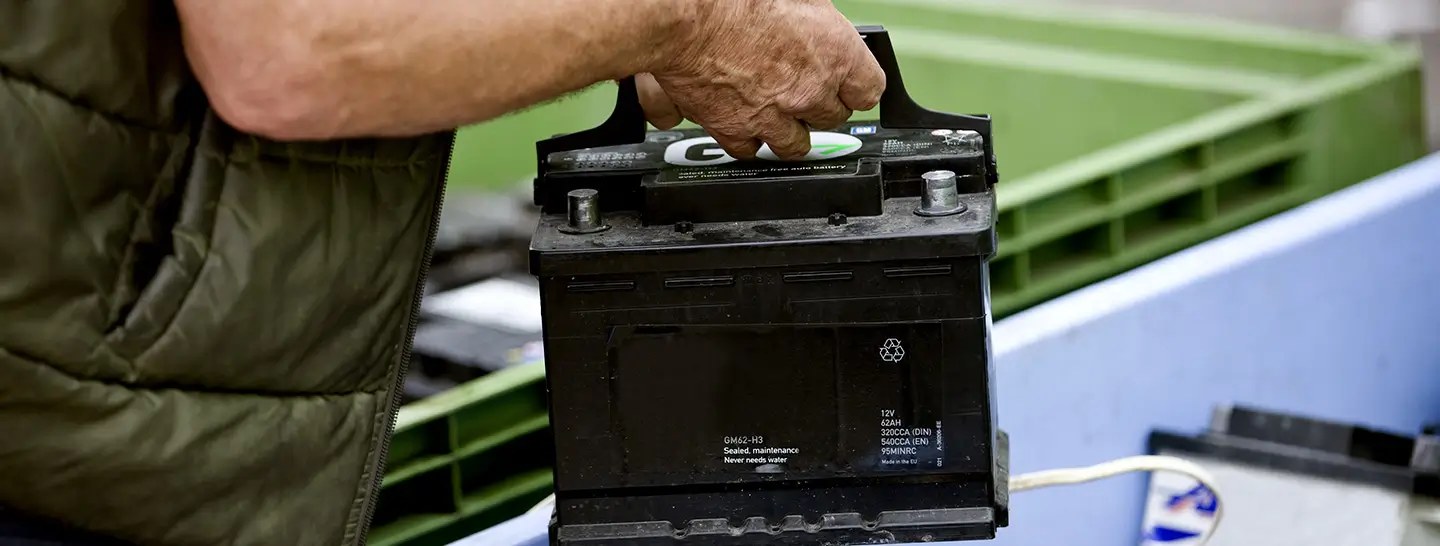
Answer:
(811, 368)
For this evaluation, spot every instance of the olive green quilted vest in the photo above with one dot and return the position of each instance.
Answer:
(202, 333)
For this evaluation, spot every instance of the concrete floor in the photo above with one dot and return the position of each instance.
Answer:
(1328, 16)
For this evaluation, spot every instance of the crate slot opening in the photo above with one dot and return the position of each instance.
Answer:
(1004, 276)
(431, 492)
(529, 452)
(1244, 142)
(1177, 214)
(1067, 205)
(1077, 249)
(1162, 171)
(1255, 188)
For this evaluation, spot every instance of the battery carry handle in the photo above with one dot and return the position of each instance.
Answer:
(626, 124)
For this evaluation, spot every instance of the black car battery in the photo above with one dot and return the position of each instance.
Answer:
(767, 351)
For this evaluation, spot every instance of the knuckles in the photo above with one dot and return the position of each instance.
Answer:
(746, 83)
(800, 101)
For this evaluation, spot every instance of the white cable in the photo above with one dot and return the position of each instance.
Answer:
(1072, 476)
(1142, 463)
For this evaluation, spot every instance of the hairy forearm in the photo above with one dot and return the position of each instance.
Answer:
(322, 69)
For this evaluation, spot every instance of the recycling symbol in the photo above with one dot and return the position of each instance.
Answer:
(891, 351)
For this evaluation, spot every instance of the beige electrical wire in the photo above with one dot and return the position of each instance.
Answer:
(1142, 463)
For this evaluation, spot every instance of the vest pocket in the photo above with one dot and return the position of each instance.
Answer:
(293, 266)
(165, 261)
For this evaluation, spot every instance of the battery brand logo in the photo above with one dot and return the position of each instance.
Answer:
(1183, 516)
(1199, 499)
(1161, 533)
(703, 151)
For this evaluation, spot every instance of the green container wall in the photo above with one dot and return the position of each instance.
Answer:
(1120, 137)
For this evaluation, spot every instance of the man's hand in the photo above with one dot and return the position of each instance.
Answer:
(755, 72)
(749, 71)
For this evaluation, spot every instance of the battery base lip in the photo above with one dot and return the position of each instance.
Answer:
(939, 525)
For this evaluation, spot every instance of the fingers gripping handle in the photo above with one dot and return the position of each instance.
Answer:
(626, 124)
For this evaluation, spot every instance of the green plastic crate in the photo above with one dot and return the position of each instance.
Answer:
(1121, 137)
(466, 459)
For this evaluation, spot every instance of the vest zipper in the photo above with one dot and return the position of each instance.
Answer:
(399, 386)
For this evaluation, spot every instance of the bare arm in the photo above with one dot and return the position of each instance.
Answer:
(323, 69)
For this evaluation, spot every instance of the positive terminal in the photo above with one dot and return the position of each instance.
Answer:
(838, 219)
(583, 212)
(941, 196)
(684, 226)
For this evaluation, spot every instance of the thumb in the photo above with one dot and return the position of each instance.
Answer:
(660, 111)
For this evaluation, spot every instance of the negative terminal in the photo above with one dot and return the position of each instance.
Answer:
(582, 211)
(941, 196)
